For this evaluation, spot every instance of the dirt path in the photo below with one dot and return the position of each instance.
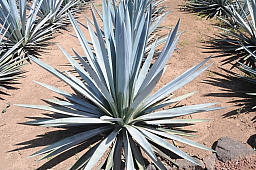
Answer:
(19, 141)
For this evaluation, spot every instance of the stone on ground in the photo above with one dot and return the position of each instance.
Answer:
(210, 161)
(187, 165)
(228, 149)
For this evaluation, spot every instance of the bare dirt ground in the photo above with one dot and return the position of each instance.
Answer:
(214, 85)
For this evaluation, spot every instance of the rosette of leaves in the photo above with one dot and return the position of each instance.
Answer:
(21, 22)
(241, 36)
(116, 84)
(10, 63)
(211, 8)
(58, 10)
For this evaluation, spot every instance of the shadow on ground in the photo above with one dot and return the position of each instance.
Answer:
(233, 87)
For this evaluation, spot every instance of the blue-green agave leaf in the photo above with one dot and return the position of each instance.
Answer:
(78, 138)
(101, 149)
(61, 110)
(167, 145)
(141, 140)
(178, 138)
(127, 151)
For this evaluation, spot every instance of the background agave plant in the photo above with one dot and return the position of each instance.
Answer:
(211, 7)
(241, 36)
(22, 23)
(10, 63)
(116, 84)
(58, 9)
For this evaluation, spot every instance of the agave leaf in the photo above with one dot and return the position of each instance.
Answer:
(143, 95)
(137, 155)
(158, 43)
(69, 120)
(162, 59)
(167, 145)
(141, 141)
(168, 102)
(94, 76)
(101, 68)
(175, 132)
(127, 151)
(178, 121)
(98, 12)
(178, 111)
(103, 52)
(118, 152)
(74, 140)
(72, 105)
(83, 160)
(162, 154)
(71, 97)
(91, 85)
(70, 145)
(110, 160)
(158, 163)
(108, 118)
(178, 138)
(176, 84)
(61, 110)
(84, 43)
(70, 82)
(10, 51)
(158, 21)
(101, 149)
(145, 68)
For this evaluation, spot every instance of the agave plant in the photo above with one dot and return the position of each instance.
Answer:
(57, 9)
(116, 85)
(23, 24)
(210, 7)
(242, 35)
(10, 63)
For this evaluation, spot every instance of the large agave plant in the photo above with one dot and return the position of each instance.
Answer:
(23, 24)
(116, 84)
(241, 36)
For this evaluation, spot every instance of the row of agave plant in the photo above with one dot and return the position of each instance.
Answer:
(238, 33)
(113, 100)
(25, 27)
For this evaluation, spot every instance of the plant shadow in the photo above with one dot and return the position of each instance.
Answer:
(55, 136)
(233, 87)
(7, 86)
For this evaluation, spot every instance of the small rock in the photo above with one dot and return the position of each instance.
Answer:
(187, 165)
(228, 149)
(210, 161)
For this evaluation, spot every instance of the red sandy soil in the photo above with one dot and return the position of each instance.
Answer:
(214, 85)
